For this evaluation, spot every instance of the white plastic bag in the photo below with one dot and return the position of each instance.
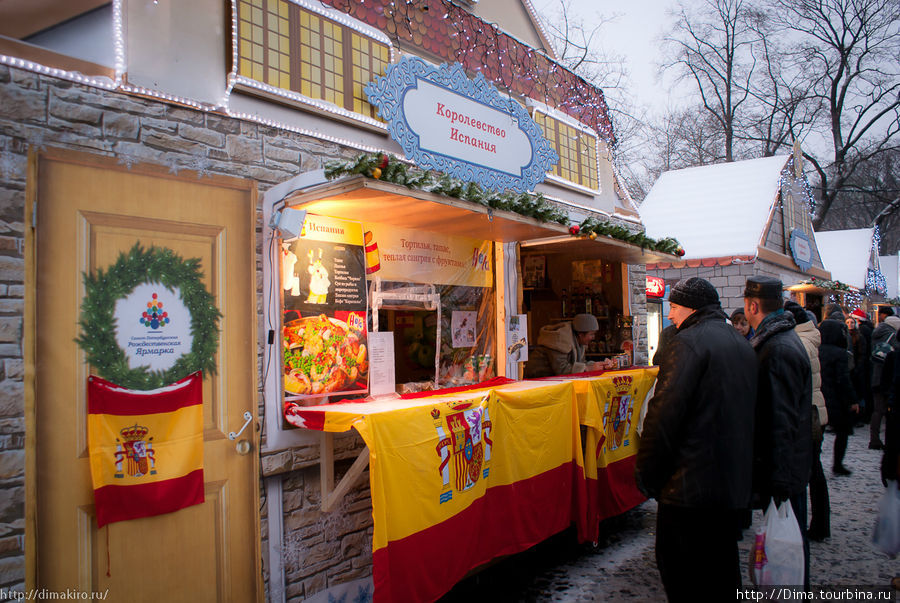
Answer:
(887, 528)
(776, 557)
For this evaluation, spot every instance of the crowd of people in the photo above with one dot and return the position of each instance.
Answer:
(740, 410)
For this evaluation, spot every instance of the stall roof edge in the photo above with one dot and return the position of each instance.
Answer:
(603, 247)
(368, 200)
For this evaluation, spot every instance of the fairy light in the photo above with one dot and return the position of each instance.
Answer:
(303, 131)
(72, 76)
(118, 41)
(300, 98)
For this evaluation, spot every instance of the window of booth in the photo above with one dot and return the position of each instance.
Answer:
(577, 150)
(287, 46)
(577, 284)
(342, 280)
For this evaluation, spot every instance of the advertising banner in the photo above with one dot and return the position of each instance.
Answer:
(324, 330)
(414, 256)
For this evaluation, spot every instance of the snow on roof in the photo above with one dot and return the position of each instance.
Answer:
(846, 254)
(716, 210)
(890, 268)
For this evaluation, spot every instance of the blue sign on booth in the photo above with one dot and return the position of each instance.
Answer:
(447, 122)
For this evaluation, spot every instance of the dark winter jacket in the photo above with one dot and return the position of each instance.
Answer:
(890, 461)
(861, 375)
(782, 453)
(697, 442)
(837, 386)
(886, 331)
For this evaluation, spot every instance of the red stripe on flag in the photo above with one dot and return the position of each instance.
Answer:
(120, 503)
(506, 520)
(105, 397)
(615, 488)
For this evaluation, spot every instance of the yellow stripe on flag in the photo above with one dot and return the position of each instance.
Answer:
(172, 446)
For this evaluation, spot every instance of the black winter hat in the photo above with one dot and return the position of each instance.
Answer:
(763, 287)
(693, 293)
(800, 315)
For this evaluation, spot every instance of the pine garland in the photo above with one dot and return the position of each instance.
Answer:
(391, 169)
(592, 227)
(98, 323)
(826, 284)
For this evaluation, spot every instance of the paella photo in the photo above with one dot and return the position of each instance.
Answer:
(323, 355)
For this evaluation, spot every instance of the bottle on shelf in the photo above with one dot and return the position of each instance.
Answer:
(564, 300)
(588, 301)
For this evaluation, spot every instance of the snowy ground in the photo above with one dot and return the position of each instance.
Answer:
(622, 567)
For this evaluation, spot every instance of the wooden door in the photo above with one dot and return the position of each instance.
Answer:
(88, 210)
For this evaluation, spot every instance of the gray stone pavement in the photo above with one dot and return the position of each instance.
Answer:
(622, 566)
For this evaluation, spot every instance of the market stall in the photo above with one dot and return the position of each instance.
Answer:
(389, 313)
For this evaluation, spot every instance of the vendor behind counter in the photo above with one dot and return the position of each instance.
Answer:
(561, 348)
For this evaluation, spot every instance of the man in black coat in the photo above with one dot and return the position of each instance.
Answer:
(695, 451)
(782, 452)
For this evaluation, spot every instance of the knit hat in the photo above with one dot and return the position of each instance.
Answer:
(800, 315)
(763, 287)
(584, 323)
(693, 293)
(893, 321)
(736, 313)
(859, 314)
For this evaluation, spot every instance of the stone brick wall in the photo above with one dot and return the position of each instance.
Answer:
(728, 280)
(637, 285)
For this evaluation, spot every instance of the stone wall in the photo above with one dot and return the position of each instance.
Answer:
(728, 280)
(637, 286)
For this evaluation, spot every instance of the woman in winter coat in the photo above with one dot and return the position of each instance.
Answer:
(840, 397)
(820, 508)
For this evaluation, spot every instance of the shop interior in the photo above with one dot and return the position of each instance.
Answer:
(560, 283)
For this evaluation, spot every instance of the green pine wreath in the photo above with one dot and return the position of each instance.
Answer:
(98, 323)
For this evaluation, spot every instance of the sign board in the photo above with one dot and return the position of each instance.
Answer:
(323, 275)
(464, 128)
(153, 326)
(801, 249)
(656, 287)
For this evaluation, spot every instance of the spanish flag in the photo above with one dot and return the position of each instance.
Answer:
(146, 448)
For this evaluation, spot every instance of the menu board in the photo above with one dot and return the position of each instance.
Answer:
(324, 311)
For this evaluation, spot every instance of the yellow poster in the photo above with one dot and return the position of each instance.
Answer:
(413, 256)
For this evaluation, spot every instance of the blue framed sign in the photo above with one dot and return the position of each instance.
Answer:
(447, 122)
(801, 249)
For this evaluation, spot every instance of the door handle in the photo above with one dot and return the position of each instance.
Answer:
(247, 418)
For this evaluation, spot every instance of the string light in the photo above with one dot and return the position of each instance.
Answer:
(72, 76)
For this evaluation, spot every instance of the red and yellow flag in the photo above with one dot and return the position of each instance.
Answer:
(146, 448)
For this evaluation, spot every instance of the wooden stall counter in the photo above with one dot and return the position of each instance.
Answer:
(460, 477)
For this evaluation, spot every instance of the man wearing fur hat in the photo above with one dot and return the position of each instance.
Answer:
(782, 452)
(885, 333)
(561, 348)
(696, 449)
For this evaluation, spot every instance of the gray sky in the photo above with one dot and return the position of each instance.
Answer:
(635, 34)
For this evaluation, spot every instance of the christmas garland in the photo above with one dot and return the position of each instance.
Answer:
(391, 169)
(98, 323)
(592, 228)
(826, 284)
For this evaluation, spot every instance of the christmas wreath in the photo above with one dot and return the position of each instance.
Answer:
(98, 322)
